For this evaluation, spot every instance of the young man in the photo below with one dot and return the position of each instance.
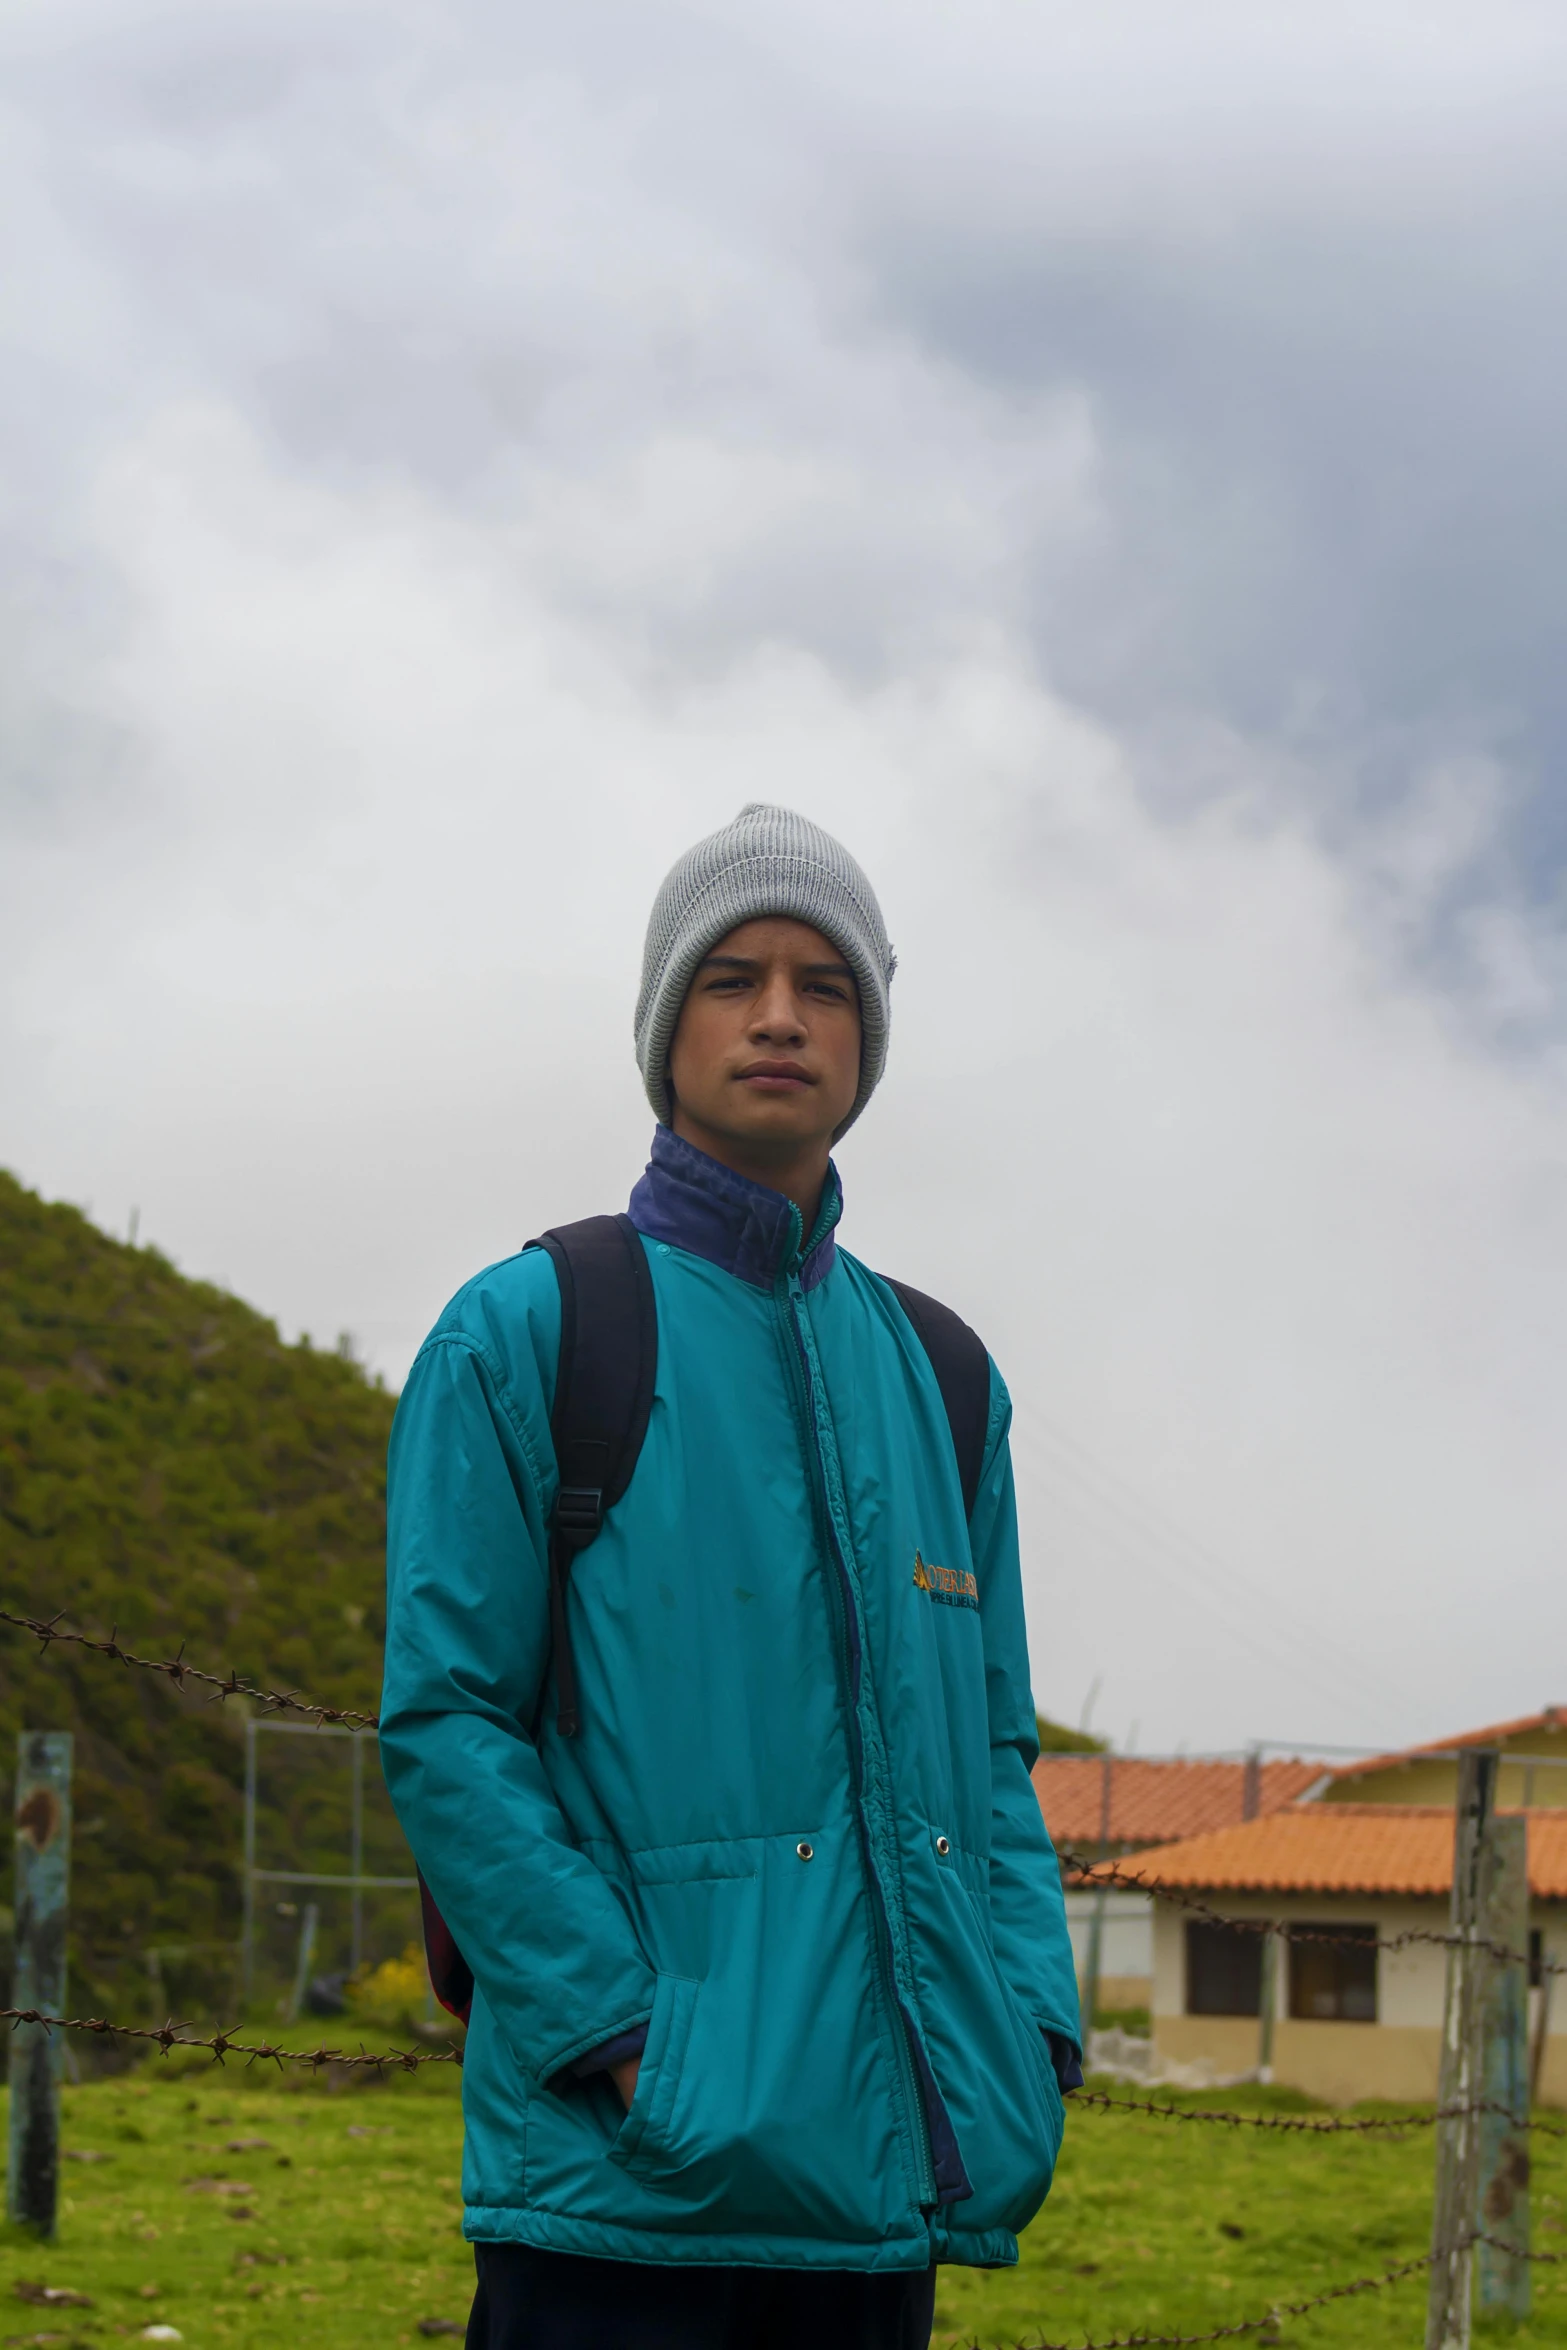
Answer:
(773, 1997)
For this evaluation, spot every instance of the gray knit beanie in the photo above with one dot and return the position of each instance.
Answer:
(768, 861)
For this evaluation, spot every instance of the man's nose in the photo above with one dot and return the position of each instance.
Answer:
(777, 1013)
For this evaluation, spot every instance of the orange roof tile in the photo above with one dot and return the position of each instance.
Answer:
(1343, 1848)
(1155, 1802)
(1551, 1719)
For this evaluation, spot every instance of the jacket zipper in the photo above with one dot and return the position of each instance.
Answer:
(851, 1650)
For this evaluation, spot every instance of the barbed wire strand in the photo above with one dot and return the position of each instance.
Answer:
(225, 2044)
(1311, 2125)
(1274, 2318)
(46, 1630)
(1093, 1873)
(1142, 2340)
(1517, 2252)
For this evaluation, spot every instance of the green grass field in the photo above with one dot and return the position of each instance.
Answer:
(254, 2213)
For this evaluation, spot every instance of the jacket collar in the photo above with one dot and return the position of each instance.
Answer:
(692, 1202)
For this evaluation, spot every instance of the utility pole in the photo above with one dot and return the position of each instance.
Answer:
(43, 1884)
(1502, 2203)
(1458, 2138)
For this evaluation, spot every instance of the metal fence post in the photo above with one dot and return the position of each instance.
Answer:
(307, 1951)
(1502, 2200)
(1458, 2138)
(1096, 1923)
(1542, 2029)
(1267, 2003)
(357, 1853)
(43, 1883)
(248, 1930)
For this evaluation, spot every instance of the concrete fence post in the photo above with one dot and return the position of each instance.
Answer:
(1458, 2138)
(1502, 2192)
(43, 1882)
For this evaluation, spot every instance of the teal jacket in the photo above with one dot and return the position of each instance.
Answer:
(795, 1848)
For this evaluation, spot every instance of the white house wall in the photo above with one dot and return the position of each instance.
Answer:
(1397, 2056)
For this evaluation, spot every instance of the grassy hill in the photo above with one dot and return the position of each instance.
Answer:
(168, 1465)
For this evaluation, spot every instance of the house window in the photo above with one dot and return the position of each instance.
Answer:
(1223, 1971)
(1334, 1982)
(1536, 1958)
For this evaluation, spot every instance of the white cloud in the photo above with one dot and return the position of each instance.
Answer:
(1243, 1213)
(465, 456)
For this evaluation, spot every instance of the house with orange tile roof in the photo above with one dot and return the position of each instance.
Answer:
(1533, 1773)
(1105, 1804)
(1351, 2019)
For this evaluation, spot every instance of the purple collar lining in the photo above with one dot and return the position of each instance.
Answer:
(690, 1201)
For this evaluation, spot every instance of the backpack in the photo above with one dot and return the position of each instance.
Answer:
(603, 1396)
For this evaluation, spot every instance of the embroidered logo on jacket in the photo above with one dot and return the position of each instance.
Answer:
(946, 1586)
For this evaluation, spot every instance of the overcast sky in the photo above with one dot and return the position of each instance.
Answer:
(1107, 464)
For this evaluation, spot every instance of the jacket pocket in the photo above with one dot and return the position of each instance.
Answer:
(988, 2055)
(765, 2100)
(1038, 2049)
(644, 2134)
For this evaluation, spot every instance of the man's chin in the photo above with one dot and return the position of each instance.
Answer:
(769, 1123)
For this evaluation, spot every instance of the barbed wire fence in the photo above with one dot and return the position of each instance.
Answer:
(179, 1672)
(48, 1629)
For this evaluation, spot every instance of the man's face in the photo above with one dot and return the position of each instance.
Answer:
(767, 1052)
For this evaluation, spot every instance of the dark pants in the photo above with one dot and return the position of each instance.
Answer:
(529, 2300)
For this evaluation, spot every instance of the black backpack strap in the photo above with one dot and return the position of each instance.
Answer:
(603, 1395)
(961, 1362)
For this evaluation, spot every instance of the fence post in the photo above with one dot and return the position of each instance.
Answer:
(356, 1863)
(1458, 2138)
(1502, 2198)
(1267, 2003)
(43, 1883)
(248, 1929)
(307, 1952)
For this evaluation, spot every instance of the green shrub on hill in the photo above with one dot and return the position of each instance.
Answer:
(1056, 1738)
(168, 1465)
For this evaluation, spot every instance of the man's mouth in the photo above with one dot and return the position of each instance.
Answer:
(776, 1077)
